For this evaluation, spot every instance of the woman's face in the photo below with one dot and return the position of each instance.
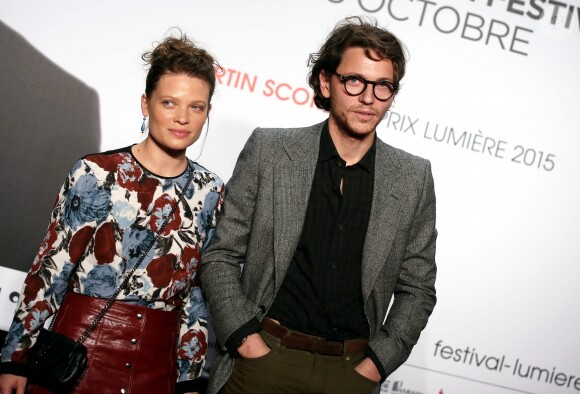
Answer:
(177, 110)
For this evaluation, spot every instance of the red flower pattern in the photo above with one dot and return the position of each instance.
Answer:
(106, 162)
(129, 174)
(105, 246)
(38, 313)
(163, 206)
(179, 280)
(190, 258)
(146, 191)
(45, 246)
(160, 270)
(33, 285)
(193, 346)
(119, 174)
(78, 243)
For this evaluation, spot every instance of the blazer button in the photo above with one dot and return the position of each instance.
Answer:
(139, 316)
(133, 341)
(127, 365)
(123, 390)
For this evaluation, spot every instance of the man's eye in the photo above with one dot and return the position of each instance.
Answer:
(353, 80)
(384, 85)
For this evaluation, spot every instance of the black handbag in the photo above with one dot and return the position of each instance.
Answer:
(56, 362)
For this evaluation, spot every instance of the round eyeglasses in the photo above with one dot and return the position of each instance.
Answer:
(355, 85)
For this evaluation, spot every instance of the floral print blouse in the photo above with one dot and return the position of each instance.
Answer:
(108, 210)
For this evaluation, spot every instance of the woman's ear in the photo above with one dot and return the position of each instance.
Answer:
(144, 105)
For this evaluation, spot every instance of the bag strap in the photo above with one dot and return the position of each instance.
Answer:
(112, 299)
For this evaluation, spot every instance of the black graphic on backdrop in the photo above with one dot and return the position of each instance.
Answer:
(48, 120)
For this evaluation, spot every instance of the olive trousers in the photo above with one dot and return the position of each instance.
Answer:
(290, 371)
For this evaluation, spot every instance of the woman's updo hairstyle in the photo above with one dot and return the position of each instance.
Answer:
(179, 55)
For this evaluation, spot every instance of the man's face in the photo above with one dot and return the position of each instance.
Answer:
(357, 116)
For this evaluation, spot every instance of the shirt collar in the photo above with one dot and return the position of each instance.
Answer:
(328, 151)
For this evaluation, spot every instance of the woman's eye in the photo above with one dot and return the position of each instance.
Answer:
(167, 103)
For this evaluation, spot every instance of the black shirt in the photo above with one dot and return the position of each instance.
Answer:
(321, 293)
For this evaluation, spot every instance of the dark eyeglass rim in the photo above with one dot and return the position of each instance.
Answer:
(344, 78)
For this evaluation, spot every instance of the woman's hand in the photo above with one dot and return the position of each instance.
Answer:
(10, 382)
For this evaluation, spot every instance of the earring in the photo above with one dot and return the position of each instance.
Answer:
(143, 125)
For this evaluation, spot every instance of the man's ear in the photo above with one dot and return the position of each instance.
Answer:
(324, 79)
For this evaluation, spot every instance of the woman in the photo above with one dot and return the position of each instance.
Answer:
(110, 208)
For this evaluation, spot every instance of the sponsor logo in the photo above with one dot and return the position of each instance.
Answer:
(399, 387)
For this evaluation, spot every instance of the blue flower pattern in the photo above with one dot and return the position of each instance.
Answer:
(38, 318)
(124, 213)
(206, 218)
(86, 202)
(134, 244)
(92, 196)
(15, 332)
(60, 283)
(199, 306)
(101, 281)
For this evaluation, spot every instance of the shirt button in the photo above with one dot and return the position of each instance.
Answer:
(339, 163)
(139, 316)
(333, 265)
(340, 227)
(133, 341)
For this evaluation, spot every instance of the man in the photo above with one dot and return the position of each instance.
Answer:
(329, 224)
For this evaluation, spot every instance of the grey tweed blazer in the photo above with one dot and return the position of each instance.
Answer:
(261, 222)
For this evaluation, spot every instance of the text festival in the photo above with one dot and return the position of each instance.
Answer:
(479, 28)
(469, 356)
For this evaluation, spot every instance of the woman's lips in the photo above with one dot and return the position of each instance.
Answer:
(179, 133)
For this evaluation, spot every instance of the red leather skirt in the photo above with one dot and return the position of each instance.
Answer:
(132, 350)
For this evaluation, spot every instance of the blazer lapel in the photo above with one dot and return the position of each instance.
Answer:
(293, 177)
(387, 195)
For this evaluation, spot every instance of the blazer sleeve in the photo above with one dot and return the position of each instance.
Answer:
(414, 293)
(234, 316)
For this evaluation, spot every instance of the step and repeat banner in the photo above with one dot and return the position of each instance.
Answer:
(490, 98)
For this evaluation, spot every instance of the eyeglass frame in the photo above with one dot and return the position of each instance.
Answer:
(344, 79)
